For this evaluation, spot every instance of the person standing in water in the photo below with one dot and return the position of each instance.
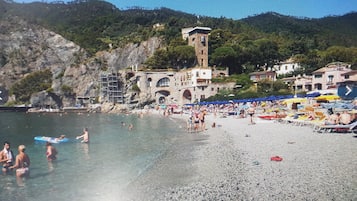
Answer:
(84, 136)
(6, 157)
(51, 152)
(22, 163)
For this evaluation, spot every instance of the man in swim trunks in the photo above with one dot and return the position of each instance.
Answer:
(251, 112)
(51, 152)
(84, 136)
(22, 163)
(6, 157)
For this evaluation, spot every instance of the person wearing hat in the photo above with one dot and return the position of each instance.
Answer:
(22, 163)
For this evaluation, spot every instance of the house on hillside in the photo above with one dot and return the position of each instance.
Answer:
(324, 79)
(285, 67)
(299, 83)
(262, 75)
(350, 76)
(327, 77)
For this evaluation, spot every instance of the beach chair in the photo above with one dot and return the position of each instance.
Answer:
(336, 128)
(300, 121)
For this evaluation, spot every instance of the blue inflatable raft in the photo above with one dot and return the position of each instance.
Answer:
(50, 139)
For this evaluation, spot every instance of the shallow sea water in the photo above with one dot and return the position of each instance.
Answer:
(99, 170)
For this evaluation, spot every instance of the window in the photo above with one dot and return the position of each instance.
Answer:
(203, 40)
(330, 79)
(318, 76)
(164, 82)
(318, 86)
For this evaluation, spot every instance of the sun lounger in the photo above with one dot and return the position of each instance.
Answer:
(336, 128)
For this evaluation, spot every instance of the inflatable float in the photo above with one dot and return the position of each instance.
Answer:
(268, 117)
(50, 139)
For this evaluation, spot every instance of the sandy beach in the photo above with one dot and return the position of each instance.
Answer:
(233, 162)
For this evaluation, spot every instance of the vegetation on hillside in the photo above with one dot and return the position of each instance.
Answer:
(247, 45)
(243, 45)
(32, 83)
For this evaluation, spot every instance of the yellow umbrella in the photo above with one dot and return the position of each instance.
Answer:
(327, 98)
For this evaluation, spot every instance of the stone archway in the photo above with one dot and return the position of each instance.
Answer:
(161, 96)
(187, 96)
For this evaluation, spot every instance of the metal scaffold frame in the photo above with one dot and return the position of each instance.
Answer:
(111, 90)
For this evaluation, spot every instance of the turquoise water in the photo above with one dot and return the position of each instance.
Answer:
(99, 170)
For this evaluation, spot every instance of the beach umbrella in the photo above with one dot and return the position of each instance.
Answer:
(313, 95)
(327, 98)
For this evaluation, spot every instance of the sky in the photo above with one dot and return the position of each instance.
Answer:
(238, 9)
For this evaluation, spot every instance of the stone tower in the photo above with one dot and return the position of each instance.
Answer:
(198, 38)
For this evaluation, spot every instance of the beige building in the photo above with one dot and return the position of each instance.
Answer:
(327, 77)
(183, 87)
(324, 79)
(262, 75)
(299, 83)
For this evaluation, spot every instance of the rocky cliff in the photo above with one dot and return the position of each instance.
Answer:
(26, 48)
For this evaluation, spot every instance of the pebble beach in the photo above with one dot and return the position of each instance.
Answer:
(233, 162)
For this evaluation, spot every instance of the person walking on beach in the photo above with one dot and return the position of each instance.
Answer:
(6, 157)
(251, 112)
(22, 163)
(189, 124)
(196, 122)
(51, 152)
(202, 120)
(84, 136)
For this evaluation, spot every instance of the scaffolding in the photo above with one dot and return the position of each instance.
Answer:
(111, 91)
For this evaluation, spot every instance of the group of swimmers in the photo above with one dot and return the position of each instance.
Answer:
(22, 161)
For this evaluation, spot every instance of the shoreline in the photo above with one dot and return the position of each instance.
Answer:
(232, 162)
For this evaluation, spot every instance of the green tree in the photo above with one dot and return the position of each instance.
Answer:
(339, 53)
(32, 83)
(182, 56)
(224, 56)
(160, 60)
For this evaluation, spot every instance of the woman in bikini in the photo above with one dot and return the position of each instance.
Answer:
(22, 163)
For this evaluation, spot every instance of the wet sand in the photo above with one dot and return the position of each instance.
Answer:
(233, 162)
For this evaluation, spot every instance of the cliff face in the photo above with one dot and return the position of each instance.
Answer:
(25, 48)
